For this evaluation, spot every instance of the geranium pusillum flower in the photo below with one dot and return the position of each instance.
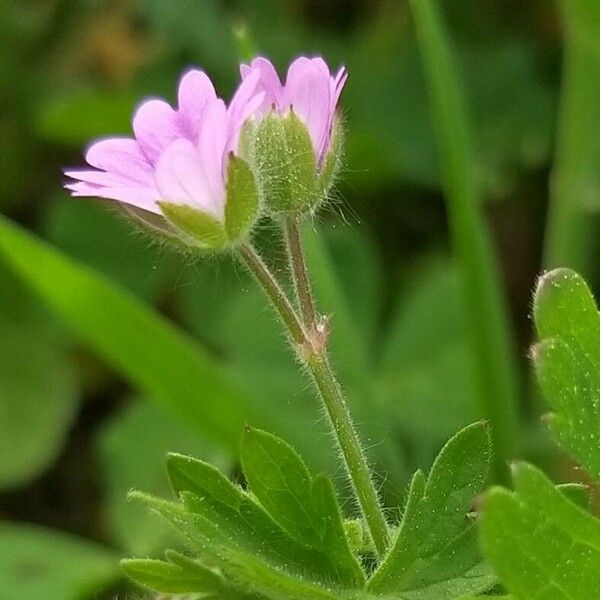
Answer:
(310, 90)
(293, 141)
(178, 157)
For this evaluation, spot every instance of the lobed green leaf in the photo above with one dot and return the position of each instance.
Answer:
(436, 541)
(567, 362)
(540, 543)
(173, 578)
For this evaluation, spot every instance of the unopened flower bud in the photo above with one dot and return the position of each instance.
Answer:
(294, 140)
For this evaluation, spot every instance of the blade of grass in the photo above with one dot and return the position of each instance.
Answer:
(569, 240)
(145, 348)
(486, 306)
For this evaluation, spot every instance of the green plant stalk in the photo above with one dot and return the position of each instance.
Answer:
(311, 348)
(278, 297)
(491, 341)
(300, 278)
(569, 228)
(352, 453)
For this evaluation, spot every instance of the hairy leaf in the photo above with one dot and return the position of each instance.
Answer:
(567, 362)
(540, 543)
(436, 540)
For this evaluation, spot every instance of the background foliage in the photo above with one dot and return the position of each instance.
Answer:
(144, 352)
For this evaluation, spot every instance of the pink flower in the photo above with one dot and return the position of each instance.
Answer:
(310, 90)
(177, 155)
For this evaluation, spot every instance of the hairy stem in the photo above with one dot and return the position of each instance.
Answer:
(299, 272)
(310, 342)
(331, 393)
(280, 301)
(352, 452)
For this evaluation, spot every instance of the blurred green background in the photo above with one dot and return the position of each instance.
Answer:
(77, 430)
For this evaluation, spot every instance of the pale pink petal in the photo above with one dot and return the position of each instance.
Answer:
(212, 142)
(269, 82)
(94, 177)
(155, 125)
(308, 93)
(236, 123)
(195, 93)
(238, 107)
(180, 178)
(122, 157)
(337, 85)
(141, 197)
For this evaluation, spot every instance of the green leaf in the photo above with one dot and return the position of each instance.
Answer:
(256, 576)
(241, 208)
(436, 540)
(39, 398)
(282, 484)
(230, 538)
(205, 229)
(189, 474)
(131, 447)
(304, 506)
(478, 579)
(540, 543)
(153, 355)
(173, 578)
(41, 564)
(567, 362)
(577, 493)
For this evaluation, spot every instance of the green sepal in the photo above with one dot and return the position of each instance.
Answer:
(332, 162)
(241, 208)
(157, 227)
(206, 230)
(285, 164)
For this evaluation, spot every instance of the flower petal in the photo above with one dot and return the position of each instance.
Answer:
(212, 142)
(337, 85)
(246, 101)
(141, 197)
(155, 125)
(269, 82)
(308, 93)
(180, 178)
(238, 107)
(195, 93)
(122, 158)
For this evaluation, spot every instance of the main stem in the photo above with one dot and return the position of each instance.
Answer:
(314, 355)
(331, 393)
(349, 443)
